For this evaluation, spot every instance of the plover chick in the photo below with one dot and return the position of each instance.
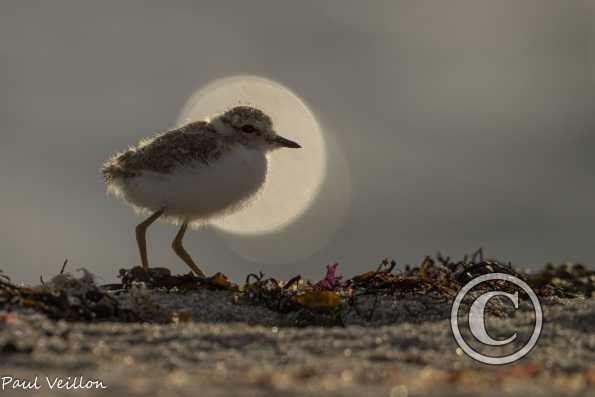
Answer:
(195, 173)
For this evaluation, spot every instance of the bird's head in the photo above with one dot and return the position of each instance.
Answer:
(253, 128)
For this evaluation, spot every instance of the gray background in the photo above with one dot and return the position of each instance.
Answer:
(464, 123)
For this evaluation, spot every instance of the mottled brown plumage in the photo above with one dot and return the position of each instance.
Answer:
(241, 115)
(197, 141)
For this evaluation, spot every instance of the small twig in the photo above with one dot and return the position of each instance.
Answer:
(393, 264)
(443, 260)
(477, 254)
(258, 277)
(64, 266)
(294, 280)
(388, 266)
(383, 263)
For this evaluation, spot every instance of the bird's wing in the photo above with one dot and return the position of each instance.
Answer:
(193, 142)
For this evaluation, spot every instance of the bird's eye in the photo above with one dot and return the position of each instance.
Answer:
(248, 129)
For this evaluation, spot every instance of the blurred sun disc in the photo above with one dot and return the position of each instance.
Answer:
(295, 175)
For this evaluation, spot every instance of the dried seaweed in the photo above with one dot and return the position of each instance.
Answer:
(159, 277)
(437, 278)
(60, 303)
(322, 303)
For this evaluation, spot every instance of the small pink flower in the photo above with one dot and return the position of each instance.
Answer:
(330, 282)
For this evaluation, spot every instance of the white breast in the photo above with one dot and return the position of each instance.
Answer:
(197, 192)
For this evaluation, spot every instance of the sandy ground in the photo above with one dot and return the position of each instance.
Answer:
(228, 349)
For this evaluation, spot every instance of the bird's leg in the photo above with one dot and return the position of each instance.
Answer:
(181, 252)
(141, 239)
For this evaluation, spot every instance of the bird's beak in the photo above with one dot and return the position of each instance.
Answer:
(279, 140)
